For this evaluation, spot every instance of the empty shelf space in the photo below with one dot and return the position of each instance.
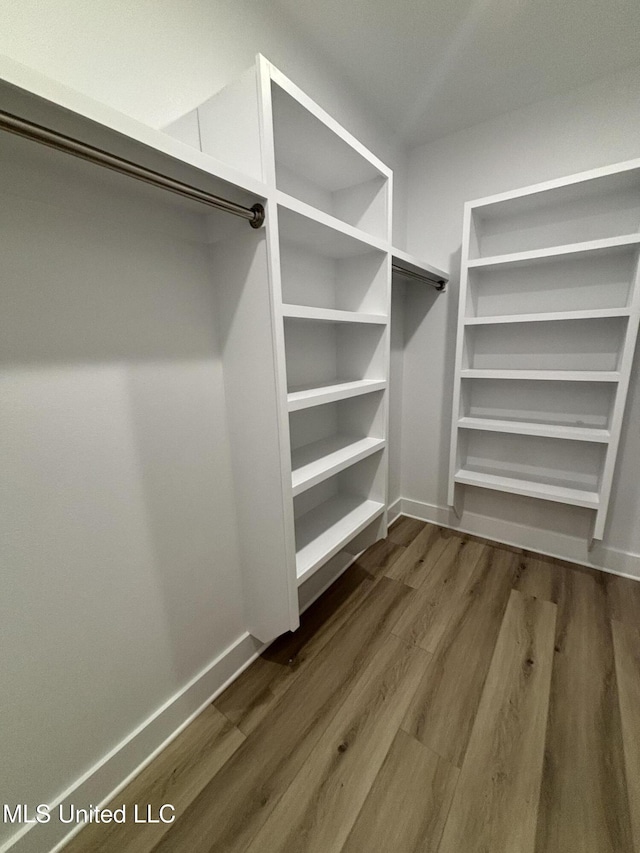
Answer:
(313, 463)
(586, 247)
(331, 315)
(531, 428)
(544, 375)
(324, 530)
(543, 317)
(302, 398)
(314, 214)
(319, 162)
(529, 488)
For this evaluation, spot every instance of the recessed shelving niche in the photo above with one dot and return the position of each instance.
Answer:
(315, 163)
(562, 212)
(326, 353)
(331, 437)
(327, 269)
(596, 282)
(593, 344)
(330, 514)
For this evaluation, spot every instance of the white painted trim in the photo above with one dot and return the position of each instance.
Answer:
(104, 781)
(559, 545)
(394, 511)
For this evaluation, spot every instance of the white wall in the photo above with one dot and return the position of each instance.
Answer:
(120, 554)
(592, 126)
(157, 59)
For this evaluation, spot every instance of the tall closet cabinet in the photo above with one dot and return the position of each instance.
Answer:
(329, 246)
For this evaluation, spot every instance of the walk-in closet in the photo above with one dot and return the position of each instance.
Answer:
(319, 427)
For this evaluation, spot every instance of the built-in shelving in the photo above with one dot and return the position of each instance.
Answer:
(326, 310)
(529, 488)
(332, 299)
(315, 462)
(550, 316)
(586, 247)
(532, 428)
(326, 529)
(315, 215)
(543, 375)
(331, 315)
(302, 398)
(549, 296)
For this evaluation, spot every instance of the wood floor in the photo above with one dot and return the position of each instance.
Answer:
(446, 695)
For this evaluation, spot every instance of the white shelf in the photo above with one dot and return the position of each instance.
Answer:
(555, 251)
(602, 179)
(303, 398)
(315, 215)
(300, 227)
(319, 460)
(324, 530)
(590, 314)
(532, 428)
(545, 375)
(513, 485)
(409, 264)
(331, 315)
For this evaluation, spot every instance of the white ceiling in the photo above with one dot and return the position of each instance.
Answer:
(430, 67)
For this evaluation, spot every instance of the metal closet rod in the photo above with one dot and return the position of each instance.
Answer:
(438, 283)
(29, 130)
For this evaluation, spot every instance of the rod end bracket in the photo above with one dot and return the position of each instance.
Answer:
(258, 216)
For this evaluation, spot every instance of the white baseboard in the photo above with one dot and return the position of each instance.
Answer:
(394, 511)
(112, 773)
(560, 545)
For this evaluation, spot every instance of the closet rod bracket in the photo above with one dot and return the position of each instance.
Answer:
(258, 216)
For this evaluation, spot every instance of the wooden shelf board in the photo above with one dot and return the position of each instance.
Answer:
(319, 460)
(533, 428)
(513, 485)
(590, 314)
(303, 209)
(303, 398)
(545, 375)
(324, 530)
(331, 315)
(555, 251)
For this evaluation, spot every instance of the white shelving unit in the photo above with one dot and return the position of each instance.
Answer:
(331, 295)
(547, 326)
(329, 248)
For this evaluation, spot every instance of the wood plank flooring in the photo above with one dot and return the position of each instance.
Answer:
(445, 695)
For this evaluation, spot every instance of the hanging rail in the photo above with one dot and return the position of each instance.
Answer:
(438, 283)
(29, 130)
